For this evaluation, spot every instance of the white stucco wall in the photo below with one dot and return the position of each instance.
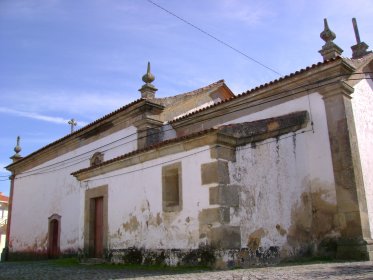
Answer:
(135, 212)
(275, 179)
(362, 105)
(280, 181)
(2, 241)
(283, 179)
(50, 189)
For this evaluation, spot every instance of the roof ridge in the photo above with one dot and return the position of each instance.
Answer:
(221, 81)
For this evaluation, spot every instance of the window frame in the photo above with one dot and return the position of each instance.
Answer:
(166, 170)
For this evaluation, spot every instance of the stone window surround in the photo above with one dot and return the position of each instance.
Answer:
(176, 169)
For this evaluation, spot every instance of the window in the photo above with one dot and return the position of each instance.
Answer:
(171, 187)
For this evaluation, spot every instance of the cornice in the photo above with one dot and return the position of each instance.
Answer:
(295, 85)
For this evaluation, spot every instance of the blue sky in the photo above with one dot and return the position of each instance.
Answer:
(63, 59)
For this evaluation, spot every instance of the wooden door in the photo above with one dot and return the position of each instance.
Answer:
(53, 235)
(98, 227)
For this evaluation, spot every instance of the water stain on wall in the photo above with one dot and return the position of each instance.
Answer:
(281, 230)
(313, 219)
(255, 237)
(72, 241)
(132, 225)
(155, 220)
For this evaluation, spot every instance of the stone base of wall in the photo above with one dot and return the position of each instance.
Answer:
(34, 255)
(355, 249)
(217, 258)
(204, 256)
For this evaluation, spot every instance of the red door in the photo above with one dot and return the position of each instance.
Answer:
(53, 235)
(98, 227)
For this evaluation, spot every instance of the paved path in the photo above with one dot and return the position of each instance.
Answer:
(45, 270)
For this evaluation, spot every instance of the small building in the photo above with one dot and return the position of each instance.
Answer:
(4, 200)
(280, 171)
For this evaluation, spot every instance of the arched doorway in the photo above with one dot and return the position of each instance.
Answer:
(54, 230)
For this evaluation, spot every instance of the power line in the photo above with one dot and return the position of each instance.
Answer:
(214, 37)
(233, 111)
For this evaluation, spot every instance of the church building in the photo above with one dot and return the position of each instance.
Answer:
(281, 171)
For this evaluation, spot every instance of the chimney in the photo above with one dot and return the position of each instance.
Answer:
(330, 50)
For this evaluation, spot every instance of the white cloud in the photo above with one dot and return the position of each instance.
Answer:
(88, 105)
(37, 116)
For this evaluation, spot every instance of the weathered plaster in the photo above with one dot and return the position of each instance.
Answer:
(362, 99)
(136, 217)
(275, 178)
(55, 191)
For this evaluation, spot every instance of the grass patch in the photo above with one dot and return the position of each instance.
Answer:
(307, 260)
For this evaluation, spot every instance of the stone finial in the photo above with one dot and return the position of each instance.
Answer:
(17, 149)
(361, 48)
(330, 50)
(148, 89)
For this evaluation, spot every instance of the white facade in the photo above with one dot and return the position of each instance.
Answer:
(362, 100)
(279, 178)
(3, 222)
(135, 214)
(55, 191)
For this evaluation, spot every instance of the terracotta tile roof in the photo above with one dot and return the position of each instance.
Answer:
(151, 147)
(3, 198)
(80, 130)
(358, 62)
(166, 101)
(251, 91)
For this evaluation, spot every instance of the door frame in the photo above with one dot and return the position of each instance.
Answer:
(89, 218)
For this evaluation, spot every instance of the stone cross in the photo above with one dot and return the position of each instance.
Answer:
(361, 48)
(354, 24)
(72, 123)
